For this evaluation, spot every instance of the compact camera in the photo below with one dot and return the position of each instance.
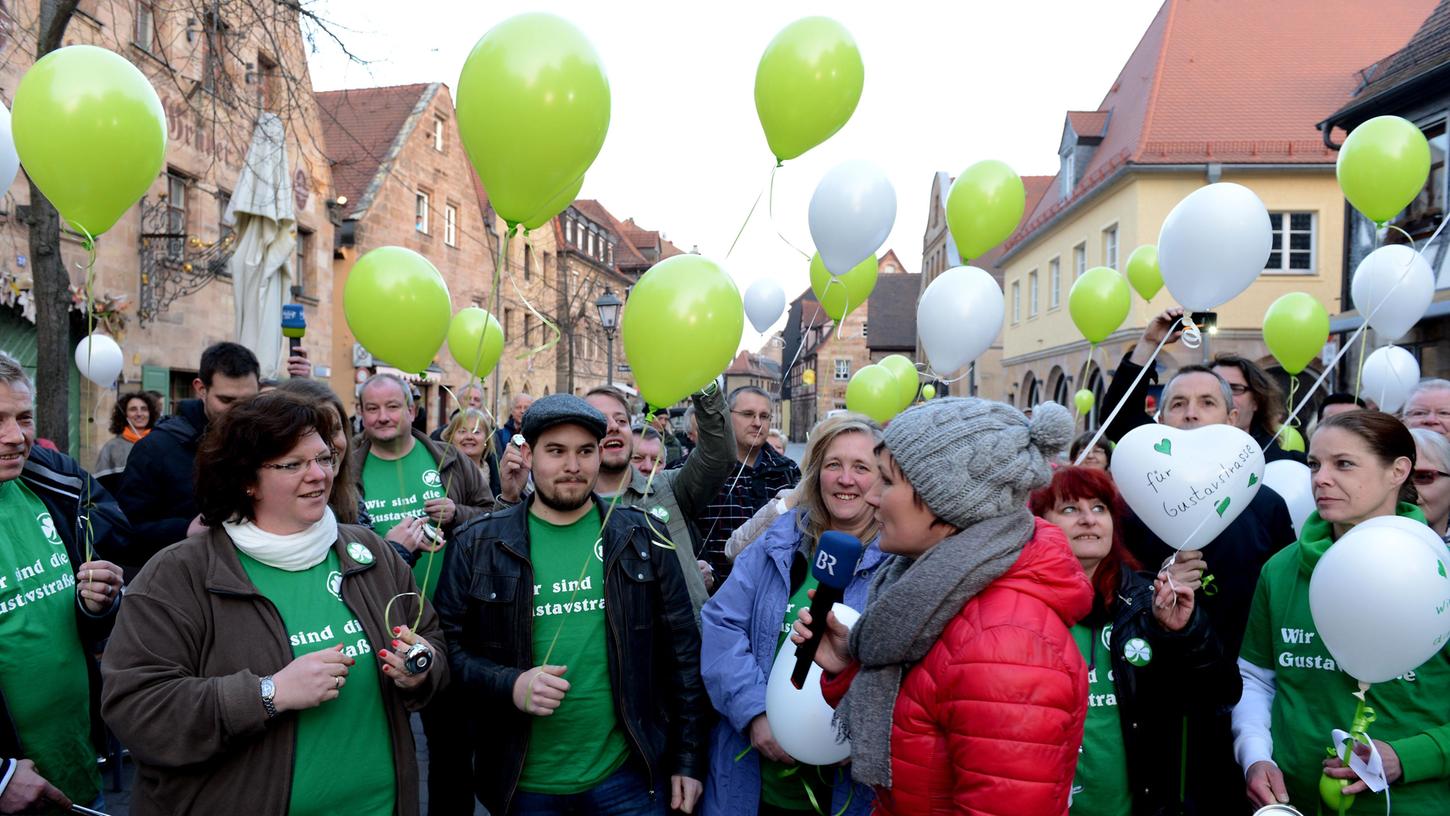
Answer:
(418, 658)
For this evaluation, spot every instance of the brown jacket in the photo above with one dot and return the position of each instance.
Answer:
(462, 481)
(183, 668)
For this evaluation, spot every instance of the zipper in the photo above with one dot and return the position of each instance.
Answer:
(619, 656)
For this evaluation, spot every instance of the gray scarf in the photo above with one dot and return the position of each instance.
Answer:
(910, 603)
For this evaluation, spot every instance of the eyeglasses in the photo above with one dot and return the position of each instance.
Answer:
(751, 416)
(1424, 413)
(1239, 390)
(1425, 478)
(324, 461)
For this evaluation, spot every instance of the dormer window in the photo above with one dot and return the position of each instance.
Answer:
(1068, 175)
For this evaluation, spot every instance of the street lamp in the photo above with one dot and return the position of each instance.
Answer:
(608, 306)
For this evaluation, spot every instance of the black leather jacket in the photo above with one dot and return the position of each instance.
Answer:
(485, 600)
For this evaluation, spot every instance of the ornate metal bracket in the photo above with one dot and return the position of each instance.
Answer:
(173, 263)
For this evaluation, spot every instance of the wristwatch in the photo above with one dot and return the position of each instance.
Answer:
(269, 692)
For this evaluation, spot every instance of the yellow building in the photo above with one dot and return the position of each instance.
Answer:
(1210, 94)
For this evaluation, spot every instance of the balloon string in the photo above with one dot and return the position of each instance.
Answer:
(499, 265)
(1148, 366)
(771, 208)
(89, 242)
(748, 215)
(1293, 389)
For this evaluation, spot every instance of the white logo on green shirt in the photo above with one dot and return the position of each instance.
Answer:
(47, 528)
(1137, 652)
(431, 478)
(334, 584)
(359, 553)
(599, 549)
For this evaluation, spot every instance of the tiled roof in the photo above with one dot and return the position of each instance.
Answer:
(1234, 81)
(748, 363)
(891, 312)
(362, 130)
(1426, 51)
(625, 255)
(1037, 187)
(1091, 124)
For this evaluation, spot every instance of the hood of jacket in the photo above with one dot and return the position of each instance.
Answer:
(1318, 535)
(1048, 571)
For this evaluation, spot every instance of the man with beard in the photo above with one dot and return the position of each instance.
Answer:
(673, 497)
(571, 630)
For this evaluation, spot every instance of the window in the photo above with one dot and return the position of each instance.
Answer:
(420, 213)
(1292, 251)
(865, 327)
(1054, 283)
(222, 199)
(302, 274)
(528, 329)
(1079, 260)
(528, 261)
(450, 225)
(508, 324)
(144, 36)
(1067, 176)
(1016, 301)
(176, 220)
(890, 269)
(843, 370)
(1110, 247)
(569, 230)
(1032, 293)
(213, 71)
(438, 126)
(268, 80)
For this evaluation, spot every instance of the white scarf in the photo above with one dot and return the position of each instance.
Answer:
(293, 553)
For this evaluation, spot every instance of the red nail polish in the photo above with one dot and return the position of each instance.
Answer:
(396, 644)
(397, 630)
(383, 653)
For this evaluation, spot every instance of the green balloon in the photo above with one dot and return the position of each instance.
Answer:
(1382, 166)
(1296, 327)
(984, 207)
(1099, 302)
(681, 327)
(904, 370)
(807, 85)
(397, 306)
(533, 110)
(475, 339)
(873, 391)
(843, 295)
(1084, 400)
(91, 133)
(553, 208)
(928, 391)
(1291, 440)
(1143, 271)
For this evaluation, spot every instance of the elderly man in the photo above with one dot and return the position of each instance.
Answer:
(1429, 406)
(57, 603)
(1225, 572)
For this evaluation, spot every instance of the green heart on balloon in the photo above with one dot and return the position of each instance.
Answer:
(1253, 480)
(984, 207)
(907, 381)
(873, 391)
(90, 132)
(475, 339)
(1143, 272)
(397, 306)
(842, 294)
(1165, 447)
(533, 110)
(681, 327)
(1099, 302)
(807, 85)
(1222, 507)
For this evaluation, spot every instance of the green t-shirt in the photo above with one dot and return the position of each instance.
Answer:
(395, 489)
(784, 786)
(344, 751)
(1312, 696)
(38, 630)
(1100, 784)
(581, 743)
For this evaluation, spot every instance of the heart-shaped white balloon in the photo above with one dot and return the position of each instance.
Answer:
(1188, 486)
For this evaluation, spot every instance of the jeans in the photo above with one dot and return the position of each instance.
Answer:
(625, 793)
(450, 755)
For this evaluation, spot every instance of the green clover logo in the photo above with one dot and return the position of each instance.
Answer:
(1137, 652)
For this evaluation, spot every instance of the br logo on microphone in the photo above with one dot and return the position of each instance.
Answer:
(826, 561)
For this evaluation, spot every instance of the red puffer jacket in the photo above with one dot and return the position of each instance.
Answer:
(990, 721)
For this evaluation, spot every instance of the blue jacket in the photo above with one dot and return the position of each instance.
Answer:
(740, 629)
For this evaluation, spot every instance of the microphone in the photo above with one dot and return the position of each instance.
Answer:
(294, 325)
(834, 565)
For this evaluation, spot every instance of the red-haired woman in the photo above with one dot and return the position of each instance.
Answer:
(1145, 644)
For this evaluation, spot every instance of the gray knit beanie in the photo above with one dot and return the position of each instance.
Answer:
(972, 459)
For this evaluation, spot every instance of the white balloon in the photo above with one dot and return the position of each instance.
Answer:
(764, 301)
(851, 214)
(1380, 598)
(1388, 377)
(9, 159)
(99, 359)
(1294, 484)
(958, 317)
(1213, 245)
(1392, 287)
(799, 718)
(1188, 486)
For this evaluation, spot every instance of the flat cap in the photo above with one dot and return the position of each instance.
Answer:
(562, 409)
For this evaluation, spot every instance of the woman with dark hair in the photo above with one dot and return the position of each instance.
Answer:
(132, 417)
(1101, 455)
(254, 663)
(1259, 402)
(1294, 694)
(1147, 647)
(960, 686)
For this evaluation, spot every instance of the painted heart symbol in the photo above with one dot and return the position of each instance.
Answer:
(1189, 499)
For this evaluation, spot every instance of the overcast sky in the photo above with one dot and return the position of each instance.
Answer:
(947, 84)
